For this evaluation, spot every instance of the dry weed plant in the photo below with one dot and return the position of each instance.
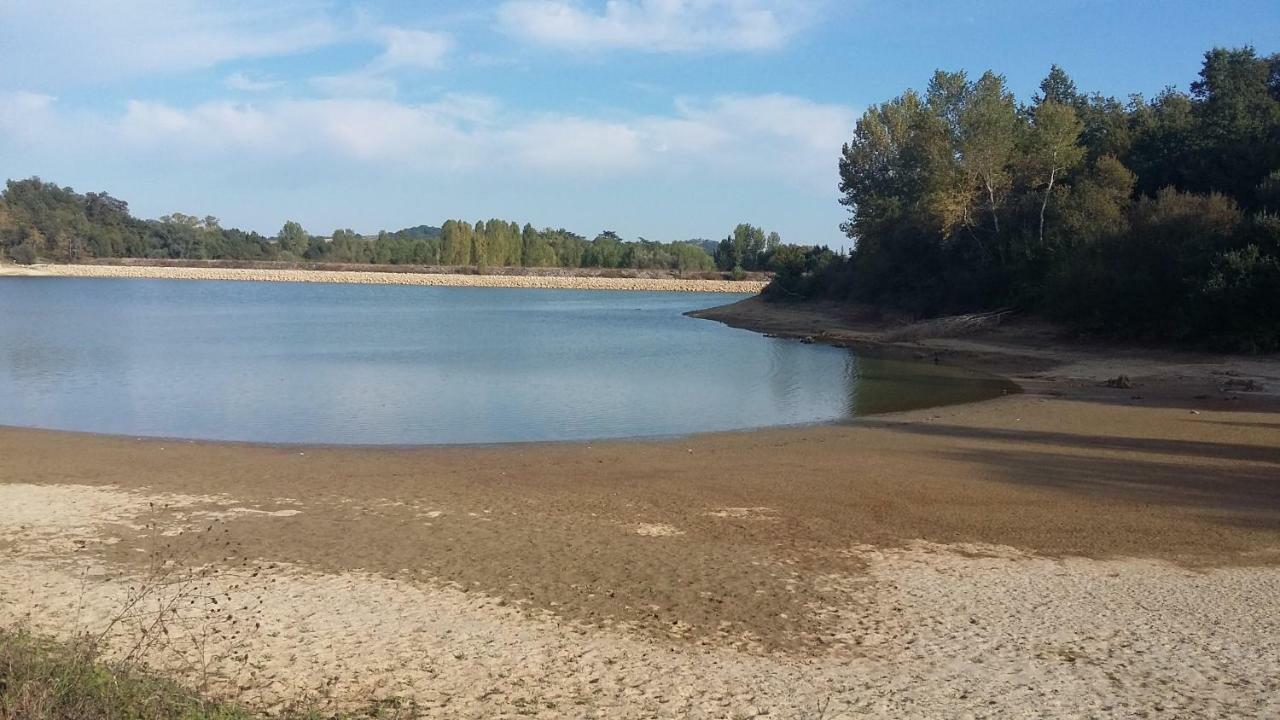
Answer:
(190, 621)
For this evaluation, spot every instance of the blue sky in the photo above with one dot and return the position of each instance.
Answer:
(667, 119)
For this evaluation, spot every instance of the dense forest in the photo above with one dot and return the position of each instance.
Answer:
(1151, 218)
(40, 220)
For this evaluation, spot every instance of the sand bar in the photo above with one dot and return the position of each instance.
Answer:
(556, 282)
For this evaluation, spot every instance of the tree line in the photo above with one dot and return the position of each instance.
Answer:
(1153, 218)
(40, 220)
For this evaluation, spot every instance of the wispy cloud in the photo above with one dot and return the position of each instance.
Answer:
(58, 42)
(244, 83)
(404, 51)
(407, 49)
(656, 25)
(25, 117)
(770, 136)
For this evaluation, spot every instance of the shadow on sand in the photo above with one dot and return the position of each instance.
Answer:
(1179, 473)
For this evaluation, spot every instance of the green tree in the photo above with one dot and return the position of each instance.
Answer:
(1151, 217)
(1238, 123)
(744, 247)
(988, 138)
(1058, 87)
(456, 242)
(291, 238)
(691, 258)
(480, 237)
(1052, 148)
(606, 251)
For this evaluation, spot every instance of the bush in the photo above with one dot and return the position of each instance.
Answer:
(1242, 301)
(738, 273)
(1146, 281)
(23, 254)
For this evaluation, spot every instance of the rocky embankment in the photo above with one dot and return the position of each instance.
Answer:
(559, 282)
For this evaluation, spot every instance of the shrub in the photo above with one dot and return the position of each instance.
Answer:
(1242, 301)
(23, 254)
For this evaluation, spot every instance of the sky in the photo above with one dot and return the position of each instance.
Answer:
(663, 119)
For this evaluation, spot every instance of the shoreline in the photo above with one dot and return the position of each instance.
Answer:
(1037, 356)
(1072, 550)
(375, 277)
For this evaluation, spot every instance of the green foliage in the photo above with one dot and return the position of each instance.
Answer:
(1147, 218)
(59, 224)
(797, 269)
(1057, 87)
(1148, 279)
(1268, 197)
(748, 247)
(39, 219)
(293, 239)
(24, 254)
(497, 242)
(1243, 288)
(691, 258)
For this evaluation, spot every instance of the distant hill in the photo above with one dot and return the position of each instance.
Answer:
(420, 231)
(708, 246)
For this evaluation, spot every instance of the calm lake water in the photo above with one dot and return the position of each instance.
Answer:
(362, 364)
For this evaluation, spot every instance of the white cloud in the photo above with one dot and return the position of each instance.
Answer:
(468, 108)
(14, 105)
(30, 119)
(350, 130)
(89, 41)
(800, 127)
(242, 82)
(404, 51)
(777, 138)
(773, 134)
(657, 25)
(358, 84)
(210, 126)
(376, 162)
(412, 50)
(572, 145)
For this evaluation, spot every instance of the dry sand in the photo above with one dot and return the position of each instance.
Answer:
(1074, 551)
(560, 282)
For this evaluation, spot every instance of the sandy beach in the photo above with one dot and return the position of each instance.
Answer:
(370, 277)
(1076, 550)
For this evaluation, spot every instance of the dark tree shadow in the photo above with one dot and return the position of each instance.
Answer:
(1187, 448)
(1244, 495)
(1236, 423)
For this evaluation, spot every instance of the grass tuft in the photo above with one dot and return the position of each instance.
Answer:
(46, 679)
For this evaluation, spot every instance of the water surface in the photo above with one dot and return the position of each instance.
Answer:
(368, 364)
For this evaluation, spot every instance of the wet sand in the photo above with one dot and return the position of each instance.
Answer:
(1075, 550)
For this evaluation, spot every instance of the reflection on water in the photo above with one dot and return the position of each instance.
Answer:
(876, 385)
(400, 365)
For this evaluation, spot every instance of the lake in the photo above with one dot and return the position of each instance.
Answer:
(371, 364)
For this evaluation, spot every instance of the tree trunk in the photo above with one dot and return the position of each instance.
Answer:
(1045, 203)
(991, 201)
